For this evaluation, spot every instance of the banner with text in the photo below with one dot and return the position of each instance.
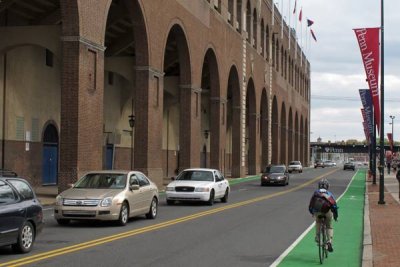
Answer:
(365, 125)
(366, 101)
(368, 40)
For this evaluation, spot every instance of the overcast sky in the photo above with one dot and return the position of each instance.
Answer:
(337, 71)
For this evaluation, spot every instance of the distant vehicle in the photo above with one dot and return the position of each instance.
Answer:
(108, 195)
(275, 174)
(319, 163)
(349, 166)
(295, 166)
(329, 163)
(199, 184)
(21, 214)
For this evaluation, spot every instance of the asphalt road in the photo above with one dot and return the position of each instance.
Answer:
(252, 229)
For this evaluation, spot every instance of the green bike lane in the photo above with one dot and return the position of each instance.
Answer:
(348, 233)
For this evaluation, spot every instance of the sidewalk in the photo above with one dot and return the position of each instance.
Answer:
(385, 225)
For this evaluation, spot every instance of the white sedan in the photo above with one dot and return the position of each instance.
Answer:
(198, 185)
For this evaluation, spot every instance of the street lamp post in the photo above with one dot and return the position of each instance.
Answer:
(392, 123)
(132, 125)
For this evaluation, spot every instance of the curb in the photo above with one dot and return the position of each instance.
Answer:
(367, 258)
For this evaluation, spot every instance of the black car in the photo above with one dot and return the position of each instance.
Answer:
(275, 174)
(21, 214)
(349, 166)
(319, 163)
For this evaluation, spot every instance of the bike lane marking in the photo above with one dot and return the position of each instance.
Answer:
(111, 238)
(348, 233)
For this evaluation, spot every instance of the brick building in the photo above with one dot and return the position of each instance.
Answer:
(154, 85)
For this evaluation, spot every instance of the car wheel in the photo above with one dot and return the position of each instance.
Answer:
(290, 171)
(26, 236)
(152, 214)
(63, 221)
(170, 202)
(301, 171)
(123, 214)
(210, 201)
(287, 182)
(225, 198)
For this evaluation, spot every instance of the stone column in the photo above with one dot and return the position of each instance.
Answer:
(148, 122)
(189, 128)
(82, 89)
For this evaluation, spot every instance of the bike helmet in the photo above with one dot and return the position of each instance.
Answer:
(323, 184)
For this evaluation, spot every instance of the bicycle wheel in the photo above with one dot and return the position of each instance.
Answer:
(321, 243)
(324, 240)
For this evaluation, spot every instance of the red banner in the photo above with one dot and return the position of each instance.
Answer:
(390, 138)
(368, 40)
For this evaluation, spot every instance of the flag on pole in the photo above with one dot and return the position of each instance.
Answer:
(309, 22)
(295, 4)
(313, 35)
(301, 14)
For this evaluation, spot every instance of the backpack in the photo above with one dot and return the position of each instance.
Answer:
(320, 203)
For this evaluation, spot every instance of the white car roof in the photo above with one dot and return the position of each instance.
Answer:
(200, 169)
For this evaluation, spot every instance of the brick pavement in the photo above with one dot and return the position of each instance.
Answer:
(385, 224)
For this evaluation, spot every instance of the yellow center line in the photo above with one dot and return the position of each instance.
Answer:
(107, 239)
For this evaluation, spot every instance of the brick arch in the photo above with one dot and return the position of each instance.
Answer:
(251, 125)
(264, 129)
(233, 122)
(283, 135)
(211, 87)
(275, 131)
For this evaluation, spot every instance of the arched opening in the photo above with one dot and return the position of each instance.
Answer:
(126, 43)
(211, 108)
(267, 42)
(275, 131)
(50, 155)
(264, 129)
(283, 139)
(233, 112)
(175, 96)
(290, 136)
(251, 128)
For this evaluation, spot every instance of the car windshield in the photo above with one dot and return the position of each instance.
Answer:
(275, 169)
(102, 181)
(294, 163)
(196, 176)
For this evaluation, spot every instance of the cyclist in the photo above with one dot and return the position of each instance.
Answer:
(323, 203)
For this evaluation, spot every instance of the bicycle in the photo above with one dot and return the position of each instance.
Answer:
(322, 235)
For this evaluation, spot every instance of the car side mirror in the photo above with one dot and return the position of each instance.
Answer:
(173, 178)
(134, 187)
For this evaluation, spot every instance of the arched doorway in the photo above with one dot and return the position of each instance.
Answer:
(274, 132)
(50, 155)
(251, 128)
(283, 139)
(176, 103)
(290, 136)
(210, 127)
(296, 137)
(233, 111)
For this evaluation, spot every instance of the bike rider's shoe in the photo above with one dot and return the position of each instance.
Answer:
(330, 248)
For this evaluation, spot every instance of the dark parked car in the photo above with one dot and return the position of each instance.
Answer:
(319, 163)
(349, 166)
(21, 214)
(275, 174)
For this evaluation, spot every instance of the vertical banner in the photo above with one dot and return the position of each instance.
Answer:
(367, 136)
(368, 40)
(366, 101)
(390, 138)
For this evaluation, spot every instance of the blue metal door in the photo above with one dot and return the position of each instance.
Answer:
(109, 157)
(50, 163)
